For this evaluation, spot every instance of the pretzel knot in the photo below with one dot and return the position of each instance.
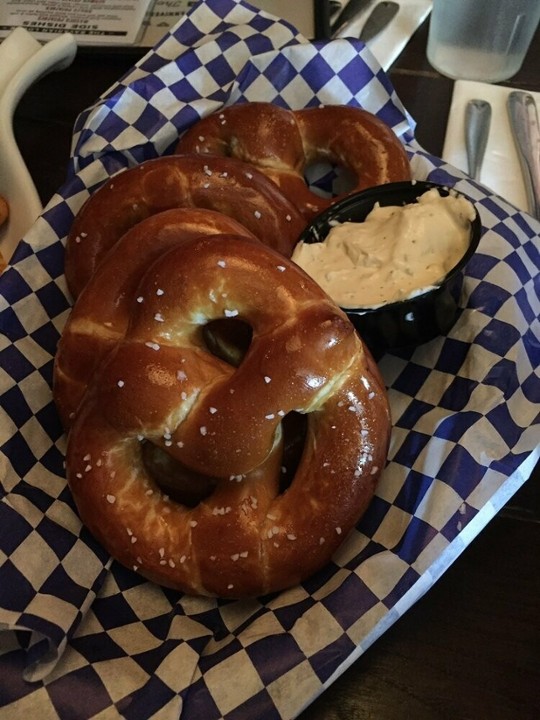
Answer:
(282, 144)
(225, 185)
(161, 392)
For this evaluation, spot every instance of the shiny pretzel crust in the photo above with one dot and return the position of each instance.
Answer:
(222, 184)
(283, 143)
(157, 383)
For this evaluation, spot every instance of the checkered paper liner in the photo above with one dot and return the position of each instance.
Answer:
(465, 437)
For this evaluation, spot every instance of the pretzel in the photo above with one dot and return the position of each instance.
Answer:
(159, 388)
(222, 184)
(283, 143)
(100, 316)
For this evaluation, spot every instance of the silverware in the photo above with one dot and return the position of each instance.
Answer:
(477, 122)
(523, 117)
(351, 10)
(380, 17)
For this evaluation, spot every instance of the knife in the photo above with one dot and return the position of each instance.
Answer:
(380, 16)
(523, 117)
(351, 10)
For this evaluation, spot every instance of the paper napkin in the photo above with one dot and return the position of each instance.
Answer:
(501, 171)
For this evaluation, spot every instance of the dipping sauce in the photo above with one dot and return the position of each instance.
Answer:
(396, 253)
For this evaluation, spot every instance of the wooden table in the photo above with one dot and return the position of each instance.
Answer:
(470, 649)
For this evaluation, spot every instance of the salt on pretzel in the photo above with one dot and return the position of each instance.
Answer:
(222, 184)
(283, 143)
(159, 385)
(100, 316)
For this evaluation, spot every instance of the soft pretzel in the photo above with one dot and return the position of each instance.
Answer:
(100, 316)
(222, 184)
(160, 387)
(282, 143)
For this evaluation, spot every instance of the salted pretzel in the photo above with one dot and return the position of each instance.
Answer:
(283, 143)
(222, 184)
(100, 316)
(160, 386)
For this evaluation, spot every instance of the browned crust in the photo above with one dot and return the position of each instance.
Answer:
(283, 143)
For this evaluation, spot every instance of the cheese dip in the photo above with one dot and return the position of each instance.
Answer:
(397, 252)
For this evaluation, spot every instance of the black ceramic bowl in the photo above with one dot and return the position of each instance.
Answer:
(414, 320)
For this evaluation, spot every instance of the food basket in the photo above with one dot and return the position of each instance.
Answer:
(464, 406)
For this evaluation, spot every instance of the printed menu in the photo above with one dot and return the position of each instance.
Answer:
(120, 22)
(93, 22)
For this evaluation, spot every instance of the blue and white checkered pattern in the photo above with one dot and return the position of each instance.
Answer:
(465, 411)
